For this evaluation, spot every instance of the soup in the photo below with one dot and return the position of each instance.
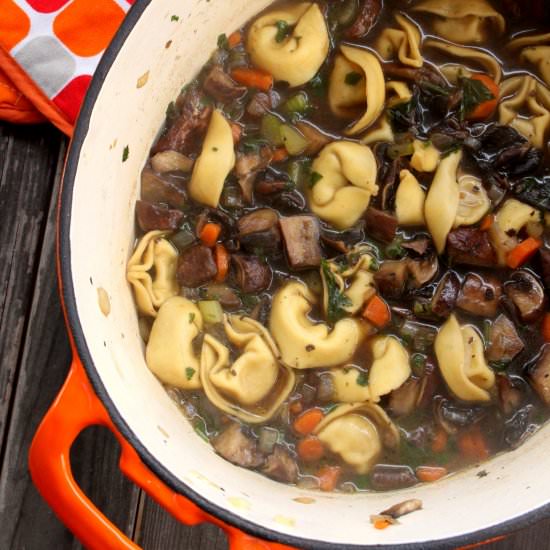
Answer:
(343, 254)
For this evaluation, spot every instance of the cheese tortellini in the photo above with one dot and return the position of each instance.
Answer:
(297, 57)
(169, 353)
(524, 94)
(463, 21)
(253, 386)
(152, 272)
(403, 43)
(358, 432)
(216, 160)
(357, 80)
(356, 282)
(534, 50)
(513, 215)
(409, 200)
(348, 173)
(304, 344)
(473, 201)
(467, 56)
(425, 157)
(442, 200)
(460, 355)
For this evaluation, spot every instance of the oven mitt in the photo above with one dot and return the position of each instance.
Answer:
(49, 50)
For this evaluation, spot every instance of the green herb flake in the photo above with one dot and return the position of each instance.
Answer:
(394, 250)
(499, 366)
(337, 300)
(223, 43)
(175, 18)
(125, 153)
(199, 425)
(283, 30)
(314, 178)
(474, 93)
(362, 379)
(189, 372)
(191, 319)
(418, 363)
(352, 78)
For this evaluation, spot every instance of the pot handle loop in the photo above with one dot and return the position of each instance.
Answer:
(75, 408)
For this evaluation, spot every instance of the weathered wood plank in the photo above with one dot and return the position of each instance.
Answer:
(44, 360)
(27, 166)
(160, 531)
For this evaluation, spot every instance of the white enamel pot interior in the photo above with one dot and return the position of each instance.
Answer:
(151, 58)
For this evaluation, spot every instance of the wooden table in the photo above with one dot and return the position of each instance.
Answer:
(34, 360)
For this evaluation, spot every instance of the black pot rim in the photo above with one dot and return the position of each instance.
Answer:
(69, 298)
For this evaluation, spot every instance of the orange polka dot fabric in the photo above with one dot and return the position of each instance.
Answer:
(57, 44)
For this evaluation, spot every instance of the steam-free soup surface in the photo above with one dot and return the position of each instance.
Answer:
(343, 252)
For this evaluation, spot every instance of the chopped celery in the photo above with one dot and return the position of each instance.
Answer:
(297, 104)
(184, 238)
(267, 439)
(293, 140)
(211, 311)
(270, 129)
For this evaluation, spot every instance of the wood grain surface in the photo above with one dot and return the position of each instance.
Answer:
(34, 360)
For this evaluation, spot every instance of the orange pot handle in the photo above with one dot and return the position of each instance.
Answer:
(75, 408)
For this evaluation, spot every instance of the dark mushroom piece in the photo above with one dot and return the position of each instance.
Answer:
(196, 266)
(403, 400)
(224, 294)
(545, 264)
(419, 246)
(480, 295)
(520, 427)
(237, 447)
(539, 376)
(301, 235)
(253, 275)
(259, 105)
(380, 225)
(510, 397)
(504, 341)
(281, 465)
(527, 295)
(315, 138)
(247, 167)
(386, 477)
(221, 86)
(259, 230)
(391, 278)
(155, 188)
(369, 10)
(446, 293)
(451, 417)
(422, 271)
(152, 216)
(471, 246)
(268, 187)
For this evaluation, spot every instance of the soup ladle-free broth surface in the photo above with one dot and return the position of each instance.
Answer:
(343, 259)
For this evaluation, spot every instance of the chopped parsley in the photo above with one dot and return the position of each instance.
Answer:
(337, 300)
(189, 372)
(394, 250)
(474, 93)
(191, 318)
(223, 43)
(175, 18)
(125, 153)
(314, 178)
(362, 379)
(283, 30)
(352, 78)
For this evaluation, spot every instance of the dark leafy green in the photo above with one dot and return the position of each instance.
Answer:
(474, 93)
(283, 30)
(337, 300)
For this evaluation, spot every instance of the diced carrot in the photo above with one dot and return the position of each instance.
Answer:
(546, 327)
(487, 108)
(486, 223)
(381, 524)
(522, 252)
(236, 132)
(472, 445)
(308, 421)
(310, 449)
(328, 477)
(377, 312)
(222, 262)
(439, 441)
(253, 78)
(234, 39)
(430, 473)
(279, 155)
(209, 234)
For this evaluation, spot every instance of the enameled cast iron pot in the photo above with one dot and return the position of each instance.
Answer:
(152, 56)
